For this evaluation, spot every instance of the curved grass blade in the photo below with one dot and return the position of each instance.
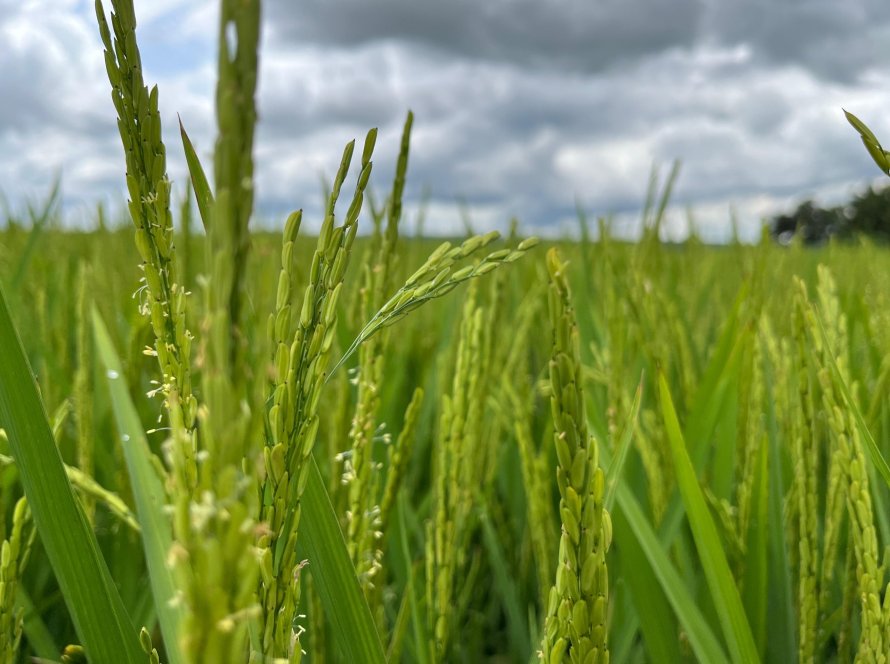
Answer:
(708, 405)
(203, 194)
(724, 591)
(148, 493)
(321, 542)
(93, 601)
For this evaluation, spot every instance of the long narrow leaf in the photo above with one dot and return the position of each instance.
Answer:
(148, 494)
(703, 641)
(203, 194)
(710, 402)
(653, 609)
(322, 543)
(724, 591)
(93, 601)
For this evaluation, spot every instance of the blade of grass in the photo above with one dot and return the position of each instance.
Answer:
(724, 590)
(704, 415)
(203, 194)
(656, 586)
(705, 645)
(321, 542)
(148, 494)
(93, 601)
(652, 607)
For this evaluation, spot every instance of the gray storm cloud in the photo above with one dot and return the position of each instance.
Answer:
(522, 108)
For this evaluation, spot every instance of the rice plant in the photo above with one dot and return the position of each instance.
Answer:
(456, 451)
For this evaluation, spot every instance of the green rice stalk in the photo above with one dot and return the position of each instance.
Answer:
(164, 302)
(805, 454)
(575, 629)
(448, 533)
(363, 525)
(228, 234)
(837, 488)
(14, 553)
(435, 278)
(301, 368)
(845, 435)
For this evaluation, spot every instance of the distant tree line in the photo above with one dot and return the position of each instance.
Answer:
(867, 214)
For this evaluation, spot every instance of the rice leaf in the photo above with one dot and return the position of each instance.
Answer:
(709, 403)
(702, 639)
(724, 591)
(203, 194)
(654, 612)
(148, 494)
(321, 543)
(94, 604)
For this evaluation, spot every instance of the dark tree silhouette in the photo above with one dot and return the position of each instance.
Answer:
(867, 214)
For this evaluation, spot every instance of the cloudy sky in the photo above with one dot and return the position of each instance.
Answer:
(522, 107)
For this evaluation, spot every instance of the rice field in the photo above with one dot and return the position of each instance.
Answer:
(228, 444)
